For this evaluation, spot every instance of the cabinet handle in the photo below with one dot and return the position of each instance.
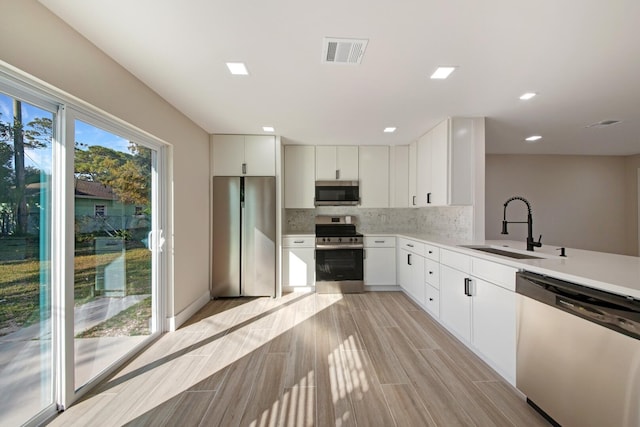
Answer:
(431, 272)
(467, 286)
(298, 241)
(414, 200)
(409, 259)
(428, 198)
(364, 254)
(244, 168)
(379, 241)
(430, 299)
(430, 252)
(337, 173)
(410, 245)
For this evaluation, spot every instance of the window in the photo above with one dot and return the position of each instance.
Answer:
(100, 210)
(139, 211)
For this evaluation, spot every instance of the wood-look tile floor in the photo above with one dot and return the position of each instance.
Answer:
(371, 359)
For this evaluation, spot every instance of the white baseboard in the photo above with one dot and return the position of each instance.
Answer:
(382, 288)
(175, 322)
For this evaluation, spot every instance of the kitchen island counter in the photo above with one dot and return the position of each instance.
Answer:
(619, 274)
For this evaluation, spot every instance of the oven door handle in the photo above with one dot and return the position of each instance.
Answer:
(334, 247)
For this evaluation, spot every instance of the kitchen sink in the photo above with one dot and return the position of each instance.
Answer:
(502, 252)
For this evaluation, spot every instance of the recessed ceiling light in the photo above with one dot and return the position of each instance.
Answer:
(389, 130)
(527, 96)
(268, 128)
(237, 68)
(533, 138)
(442, 72)
(603, 123)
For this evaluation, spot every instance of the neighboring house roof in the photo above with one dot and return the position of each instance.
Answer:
(93, 190)
(83, 190)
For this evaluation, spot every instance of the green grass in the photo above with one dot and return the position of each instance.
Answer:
(20, 283)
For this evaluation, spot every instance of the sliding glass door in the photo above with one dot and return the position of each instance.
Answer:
(26, 356)
(81, 262)
(115, 219)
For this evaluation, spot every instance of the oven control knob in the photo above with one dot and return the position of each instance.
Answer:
(351, 239)
(339, 239)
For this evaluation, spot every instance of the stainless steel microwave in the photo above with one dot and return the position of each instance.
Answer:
(337, 193)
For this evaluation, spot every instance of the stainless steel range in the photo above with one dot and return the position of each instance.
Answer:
(339, 256)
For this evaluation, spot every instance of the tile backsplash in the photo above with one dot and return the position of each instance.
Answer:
(446, 221)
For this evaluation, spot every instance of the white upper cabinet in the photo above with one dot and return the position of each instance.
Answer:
(399, 176)
(336, 163)
(374, 176)
(299, 176)
(444, 164)
(413, 174)
(243, 155)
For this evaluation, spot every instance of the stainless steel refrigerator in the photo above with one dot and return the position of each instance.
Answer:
(244, 236)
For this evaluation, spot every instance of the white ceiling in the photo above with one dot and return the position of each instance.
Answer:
(581, 56)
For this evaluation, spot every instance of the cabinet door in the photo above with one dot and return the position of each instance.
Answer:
(464, 138)
(399, 176)
(403, 269)
(260, 155)
(326, 166)
(439, 160)
(299, 176)
(298, 267)
(455, 306)
(227, 154)
(494, 326)
(347, 163)
(413, 174)
(374, 176)
(423, 170)
(417, 288)
(380, 266)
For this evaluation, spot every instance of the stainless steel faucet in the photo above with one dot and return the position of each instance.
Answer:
(530, 242)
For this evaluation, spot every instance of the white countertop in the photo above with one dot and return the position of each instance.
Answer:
(618, 274)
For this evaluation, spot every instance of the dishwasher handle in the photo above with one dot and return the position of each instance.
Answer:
(615, 312)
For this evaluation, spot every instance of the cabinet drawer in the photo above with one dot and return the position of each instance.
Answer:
(379, 242)
(299, 241)
(455, 260)
(432, 273)
(432, 252)
(499, 274)
(432, 300)
(411, 245)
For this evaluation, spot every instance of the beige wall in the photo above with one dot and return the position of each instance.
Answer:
(632, 165)
(37, 42)
(578, 201)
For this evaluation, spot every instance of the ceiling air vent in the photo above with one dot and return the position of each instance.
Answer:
(603, 123)
(343, 51)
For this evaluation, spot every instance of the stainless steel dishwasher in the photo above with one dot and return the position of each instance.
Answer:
(578, 352)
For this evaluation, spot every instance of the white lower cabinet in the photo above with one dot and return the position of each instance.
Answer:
(432, 300)
(494, 326)
(455, 305)
(479, 311)
(410, 265)
(298, 262)
(379, 261)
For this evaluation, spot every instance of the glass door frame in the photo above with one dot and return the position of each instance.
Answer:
(67, 392)
(17, 89)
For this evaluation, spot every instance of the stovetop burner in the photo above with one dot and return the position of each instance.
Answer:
(337, 231)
